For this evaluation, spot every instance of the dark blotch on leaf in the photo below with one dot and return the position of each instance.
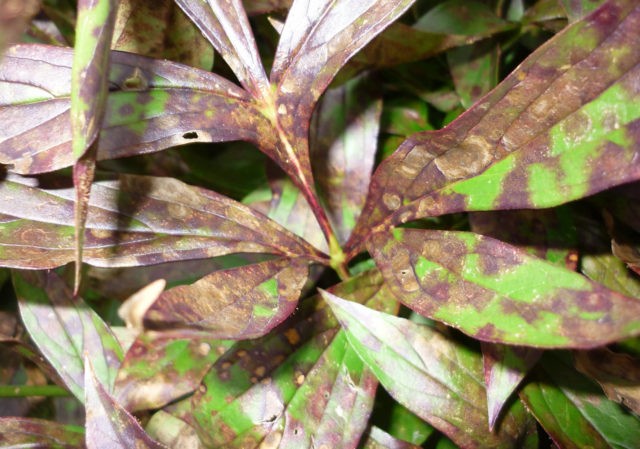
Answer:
(190, 135)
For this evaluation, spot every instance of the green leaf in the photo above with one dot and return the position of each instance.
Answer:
(152, 105)
(539, 139)
(343, 145)
(429, 373)
(498, 293)
(577, 9)
(297, 387)
(160, 29)
(468, 17)
(573, 411)
(474, 69)
(160, 367)
(611, 272)
(65, 329)
(132, 221)
(32, 432)
(239, 303)
(107, 423)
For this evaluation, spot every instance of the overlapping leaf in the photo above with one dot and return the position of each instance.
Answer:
(574, 413)
(32, 432)
(553, 131)
(379, 439)
(107, 423)
(64, 328)
(134, 221)
(152, 105)
(498, 293)
(172, 432)
(296, 387)
(162, 366)
(429, 373)
(239, 303)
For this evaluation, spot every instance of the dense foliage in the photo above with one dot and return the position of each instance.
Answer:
(320, 224)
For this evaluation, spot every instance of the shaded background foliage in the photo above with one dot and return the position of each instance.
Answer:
(320, 224)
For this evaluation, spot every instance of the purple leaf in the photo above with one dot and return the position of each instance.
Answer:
(64, 328)
(239, 303)
(38, 433)
(379, 439)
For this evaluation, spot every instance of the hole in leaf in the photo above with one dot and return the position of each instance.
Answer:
(190, 135)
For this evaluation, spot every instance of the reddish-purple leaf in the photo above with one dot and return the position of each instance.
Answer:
(152, 105)
(159, 29)
(108, 425)
(134, 221)
(617, 374)
(539, 139)
(343, 147)
(64, 328)
(227, 27)
(430, 373)
(38, 433)
(504, 369)
(162, 366)
(239, 303)
(498, 293)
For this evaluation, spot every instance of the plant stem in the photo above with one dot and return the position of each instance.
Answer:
(23, 391)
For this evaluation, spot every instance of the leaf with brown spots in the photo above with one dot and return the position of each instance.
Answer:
(159, 29)
(32, 432)
(239, 303)
(572, 410)
(132, 221)
(553, 131)
(107, 424)
(617, 374)
(430, 373)
(152, 105)
(498, 293)
(300, 386)
(64, 328)
(162, 366)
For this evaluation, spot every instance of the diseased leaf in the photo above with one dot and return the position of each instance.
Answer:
(611, 272)
(160, 29)
(550, 133)
(504, 369)
(162, 366)
(573, 411)
(107, 423)
(498, 293)
(226, 26)
(64, 328)
(297, 387)
(343, 147)
(172, 432)
(134, 220)
(429, 373)
(13, 19)
(474, 69)
(32, 432)
(239, 303)
(617, 374)
(379, 439)
(152, 105)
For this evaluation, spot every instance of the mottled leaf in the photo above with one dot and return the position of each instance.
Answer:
(611, 272)
(617, 374)
(343, 147)
(162, 366)
(14, 16)
(152, 105)
(466, 17)
(160, 29)
(498, 293)
(226, 26)
(38, 433)
(562, 126)
(577, 9)
(173, 221)
(108, 425)
(474, 69)
(297, 387)
(239, 303)
(379, 439)
(172, 432)
(504, 369)
(64, 328)
(428, 372)
(572, 410)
